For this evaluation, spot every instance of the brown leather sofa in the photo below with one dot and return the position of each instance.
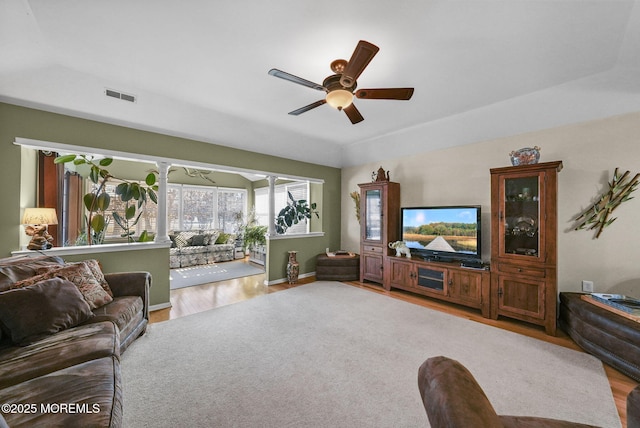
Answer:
(59, 357)
(454, 399)
(633, 408)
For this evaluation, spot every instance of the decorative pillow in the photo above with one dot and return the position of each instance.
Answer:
(211, 237)
(173, 241)
(81, 276)
(183, 238)
(198, 240)
(223, 238)
(43, 308)
(96, 270)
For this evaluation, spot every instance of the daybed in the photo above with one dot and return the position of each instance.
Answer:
(63, 327)
(200, 247)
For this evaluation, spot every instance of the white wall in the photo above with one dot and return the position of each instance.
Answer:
(590, 152)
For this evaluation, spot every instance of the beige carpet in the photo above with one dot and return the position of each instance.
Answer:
(330, 355)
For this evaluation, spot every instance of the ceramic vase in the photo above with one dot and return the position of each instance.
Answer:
(293, 268)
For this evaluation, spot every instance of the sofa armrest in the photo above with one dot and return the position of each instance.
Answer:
(131, 284)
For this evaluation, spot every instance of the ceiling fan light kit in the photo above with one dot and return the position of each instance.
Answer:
(339, 98)
(340, 86)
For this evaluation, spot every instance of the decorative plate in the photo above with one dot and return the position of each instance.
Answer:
(525, 156)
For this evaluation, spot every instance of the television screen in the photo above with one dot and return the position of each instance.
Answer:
(451, 232)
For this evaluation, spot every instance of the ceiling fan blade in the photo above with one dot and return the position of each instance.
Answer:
(385, 93)
(295, 79)
(361, 57)
(353, 114)
(307, 108)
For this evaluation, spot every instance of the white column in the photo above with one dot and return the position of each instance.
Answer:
(161, 228)
(272, 205)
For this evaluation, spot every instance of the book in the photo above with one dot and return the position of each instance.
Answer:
(627, 304)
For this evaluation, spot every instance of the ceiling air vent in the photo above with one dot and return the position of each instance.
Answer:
(120, 95)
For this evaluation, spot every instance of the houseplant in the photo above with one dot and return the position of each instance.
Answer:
(254, 236)
(98, 200)
(294, 212)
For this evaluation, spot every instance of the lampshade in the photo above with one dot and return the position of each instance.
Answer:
(339, 98)
(39, 216)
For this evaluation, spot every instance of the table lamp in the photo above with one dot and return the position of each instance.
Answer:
(37, 221)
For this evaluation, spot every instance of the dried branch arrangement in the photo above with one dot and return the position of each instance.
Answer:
(356, 200)
(598, 215)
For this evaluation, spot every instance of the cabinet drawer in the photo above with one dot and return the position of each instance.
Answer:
(372, 249)
(521, 270)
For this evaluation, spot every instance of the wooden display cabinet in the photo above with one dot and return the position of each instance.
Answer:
(444, 281)
(379, 225)
(524, 243)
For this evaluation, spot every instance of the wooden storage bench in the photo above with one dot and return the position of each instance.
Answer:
(611, 337)
(337, 268)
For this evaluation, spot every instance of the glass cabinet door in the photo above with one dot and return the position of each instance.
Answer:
(521, 216)
(373, 215)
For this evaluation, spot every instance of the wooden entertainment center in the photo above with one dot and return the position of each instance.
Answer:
(522, 280)
(444, 281)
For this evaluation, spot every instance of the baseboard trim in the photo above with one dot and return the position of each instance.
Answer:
(281, 280)
(159, 306)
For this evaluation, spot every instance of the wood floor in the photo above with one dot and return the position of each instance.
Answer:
(190, 300)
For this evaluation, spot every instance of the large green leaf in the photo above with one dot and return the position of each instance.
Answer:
(64, 159)
(98, 223)
(119, 220)
(88, 200)
(105, 161)
(150, 179)
(94, 174)
(121, 188)
(130, 212)
(153, 196)
(127, 193)
(103, 201)
(135, 189)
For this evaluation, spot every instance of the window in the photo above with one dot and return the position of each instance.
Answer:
(148, 216)
(299, 190)
(204, 207)
(232, 208)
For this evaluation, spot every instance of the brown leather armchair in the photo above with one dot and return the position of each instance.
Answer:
(453, 399)
(633, 408)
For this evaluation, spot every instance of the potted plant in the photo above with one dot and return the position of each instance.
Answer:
(97, 201)
(255, 240)
(294, 212)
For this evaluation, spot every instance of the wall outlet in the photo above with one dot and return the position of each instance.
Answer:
(587, 286)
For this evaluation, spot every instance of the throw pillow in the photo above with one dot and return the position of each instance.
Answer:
(43, 308)
(96, 270)
(198, 240)
(223, 238)
(211, 237)
(183, 238)
(81, 276)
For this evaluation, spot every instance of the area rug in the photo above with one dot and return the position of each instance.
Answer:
(195, 275)
(326, 354)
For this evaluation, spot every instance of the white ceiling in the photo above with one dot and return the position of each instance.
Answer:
(481, 68)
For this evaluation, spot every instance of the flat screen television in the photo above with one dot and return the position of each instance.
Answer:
(443, 233)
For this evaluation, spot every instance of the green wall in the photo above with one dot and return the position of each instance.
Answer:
(16, 121)
(151, 260)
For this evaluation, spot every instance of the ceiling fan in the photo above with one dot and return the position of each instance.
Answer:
(340, 86)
